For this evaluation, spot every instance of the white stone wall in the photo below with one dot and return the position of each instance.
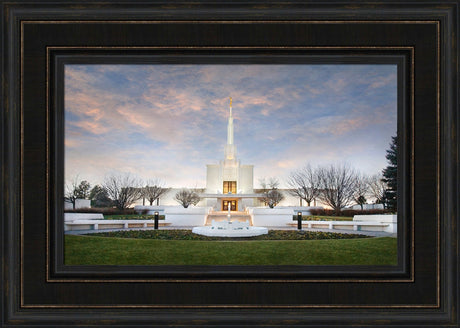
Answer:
(290, 200)
(82, 216)
(246, 177)
(390, 219)
(168, 199)
(213, 179)
(271, 217)
(230, 170)
(212, 202)
(79, 203)
(192, 216)
(246, 202)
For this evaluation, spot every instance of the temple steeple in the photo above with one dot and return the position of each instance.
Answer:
(230, 149)
(230, 126)
(229, 178)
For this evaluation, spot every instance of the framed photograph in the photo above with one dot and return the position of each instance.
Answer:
(247, 164)
(309, 101)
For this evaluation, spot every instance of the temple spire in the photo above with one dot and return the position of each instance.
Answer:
(230, 149)
(230, 126)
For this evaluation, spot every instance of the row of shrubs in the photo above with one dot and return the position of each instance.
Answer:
(131, 217)
(322, 218)
(104, 210)
(329, 212)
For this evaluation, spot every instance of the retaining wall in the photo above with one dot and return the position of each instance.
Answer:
(82, 216)
(187, 217)
(271, 217)
(390, 219)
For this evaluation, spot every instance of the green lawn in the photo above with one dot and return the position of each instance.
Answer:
(92, 250)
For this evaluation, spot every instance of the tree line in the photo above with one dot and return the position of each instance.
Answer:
(340, 185)
(119, 190)
(123, 190)
(336, 185)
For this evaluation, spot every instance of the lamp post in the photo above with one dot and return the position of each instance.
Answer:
(299, 220)
(156, 215)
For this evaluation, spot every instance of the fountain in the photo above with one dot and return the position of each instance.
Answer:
(230, 228)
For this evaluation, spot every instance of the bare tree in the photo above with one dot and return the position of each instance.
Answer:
(123, 189)
(187, 197)
(154, 190)
(377, 188)
(271, 195)
(70, 193)
(304, 184)
(361, 189)
(337, 184)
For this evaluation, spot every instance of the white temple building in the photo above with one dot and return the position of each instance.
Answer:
(229, 183)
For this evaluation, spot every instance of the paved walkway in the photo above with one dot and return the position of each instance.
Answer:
(367, 233)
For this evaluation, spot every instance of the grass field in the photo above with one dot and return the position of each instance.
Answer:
(92, 250)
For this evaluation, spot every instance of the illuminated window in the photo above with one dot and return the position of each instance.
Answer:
(229, 186)
(231, 203)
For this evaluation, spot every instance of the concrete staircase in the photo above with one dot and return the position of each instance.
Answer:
(222, 215)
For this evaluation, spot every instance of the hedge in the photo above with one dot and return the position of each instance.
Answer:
(330, 212)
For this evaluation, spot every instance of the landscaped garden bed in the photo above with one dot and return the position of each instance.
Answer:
(323, 218)
(133, 217)
(188, 235)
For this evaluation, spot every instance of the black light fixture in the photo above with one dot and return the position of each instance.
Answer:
(156, 215)
(299, 220)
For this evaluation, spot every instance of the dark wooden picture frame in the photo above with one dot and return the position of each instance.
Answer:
(39, 290)
(59, 57)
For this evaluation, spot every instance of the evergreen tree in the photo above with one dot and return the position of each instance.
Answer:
(82, 190)
(99, 197)
(390, 176)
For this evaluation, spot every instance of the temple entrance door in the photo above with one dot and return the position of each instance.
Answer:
(232, 203)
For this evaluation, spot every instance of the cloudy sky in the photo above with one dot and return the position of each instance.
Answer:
(169, 121)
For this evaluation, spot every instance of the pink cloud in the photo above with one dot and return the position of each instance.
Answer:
(93, 127)
(71, 143)
(133, 117)
(383, 81)
(347, 125)
(96, 114)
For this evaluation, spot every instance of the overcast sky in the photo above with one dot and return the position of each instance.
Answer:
(169, 121)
